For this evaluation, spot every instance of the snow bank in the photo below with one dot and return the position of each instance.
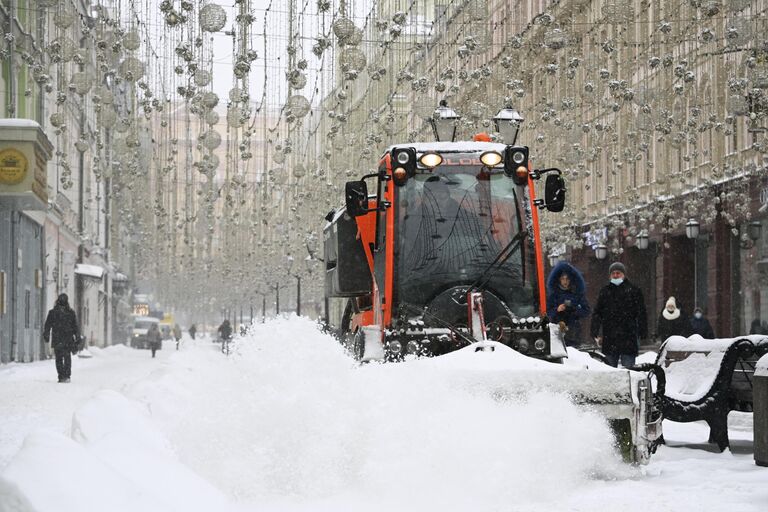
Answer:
(311, 426)
(116, 460)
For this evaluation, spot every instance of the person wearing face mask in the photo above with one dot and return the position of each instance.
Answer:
(701, 326)
(673, 321)
(566, 303)
(619, 320)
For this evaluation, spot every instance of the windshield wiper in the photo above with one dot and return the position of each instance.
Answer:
(510, 249)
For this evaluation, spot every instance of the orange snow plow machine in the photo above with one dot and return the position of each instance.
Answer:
(441, 250)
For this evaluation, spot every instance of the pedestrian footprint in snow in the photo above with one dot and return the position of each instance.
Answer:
(61, 325)
(566, 301)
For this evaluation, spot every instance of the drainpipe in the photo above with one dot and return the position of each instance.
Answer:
(11, 61)
(79, 285)
(14, 278)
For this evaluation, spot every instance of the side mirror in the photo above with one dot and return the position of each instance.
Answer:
(356, 196)
(554, 193)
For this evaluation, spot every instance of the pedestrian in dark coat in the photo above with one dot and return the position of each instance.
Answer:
(566, 302)
(192, 330)
(225, 330)
(61, 328)
(620, 316)
(673, 321)
(701, 326)
(154, 338)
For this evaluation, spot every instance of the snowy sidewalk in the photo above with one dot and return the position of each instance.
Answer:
(289, 422)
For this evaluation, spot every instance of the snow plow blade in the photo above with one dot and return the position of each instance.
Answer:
(624, 397)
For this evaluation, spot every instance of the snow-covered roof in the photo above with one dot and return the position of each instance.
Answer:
(465, 146)
(18, 123)
(89, 270)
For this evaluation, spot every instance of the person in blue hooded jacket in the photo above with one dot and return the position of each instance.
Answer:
(566, 301)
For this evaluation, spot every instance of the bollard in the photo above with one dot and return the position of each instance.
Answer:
(760, 402)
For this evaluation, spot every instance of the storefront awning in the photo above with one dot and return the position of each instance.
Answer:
(89, 270)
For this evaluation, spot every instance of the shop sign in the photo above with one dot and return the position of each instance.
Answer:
(13, 166)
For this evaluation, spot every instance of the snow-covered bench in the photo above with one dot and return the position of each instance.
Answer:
(706, 379)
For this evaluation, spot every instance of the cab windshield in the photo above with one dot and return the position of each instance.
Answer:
(452, 223)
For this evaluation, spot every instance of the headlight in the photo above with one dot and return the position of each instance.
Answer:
(429, 160)
(400, 174)
(523, 344)
(539, 344)
(412, 347)
(492, 158)
(518, 157)
(403, 157)
(394, 346)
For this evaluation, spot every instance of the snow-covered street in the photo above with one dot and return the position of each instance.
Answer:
(289, 422)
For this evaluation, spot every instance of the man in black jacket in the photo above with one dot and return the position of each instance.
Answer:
(62, 322)
(620, 313)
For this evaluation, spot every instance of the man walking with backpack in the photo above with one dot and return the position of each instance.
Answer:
(61, 325)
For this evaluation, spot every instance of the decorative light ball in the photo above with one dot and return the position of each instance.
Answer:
(297, 106)
(352, 59)
(131, 40)
(278, 157)
(738, 31)
(297, 79)
(104, 94)
(202, 78)
(618, 10)
(211, 139)
(737, 105)
(211, 161)
(64, 47)
(710, 7)
(122, 125)
(234, 117)
(355, 38)
(107, 117)
(209, 99)
(235, 94)
(64, 19)
(56, 119)
(131, 69)
(343, 28)
(211, 118)
(555, 39)
(81, 81)
(212, 18)
(299, 170)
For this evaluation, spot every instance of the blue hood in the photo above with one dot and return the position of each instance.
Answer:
(577, 280)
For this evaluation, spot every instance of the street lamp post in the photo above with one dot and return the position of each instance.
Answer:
(692, 231)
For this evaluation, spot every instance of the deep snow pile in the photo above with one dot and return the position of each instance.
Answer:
(289, 422)
(301, 420)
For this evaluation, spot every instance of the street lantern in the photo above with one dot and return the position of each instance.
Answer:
(754, 230)
(641, 240)
(601, 251)
(443, 122)
(508, 121)
(692, 229)
(554, 259)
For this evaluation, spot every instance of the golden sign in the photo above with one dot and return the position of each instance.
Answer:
(13, 166)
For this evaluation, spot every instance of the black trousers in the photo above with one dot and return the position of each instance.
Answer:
(63, 362)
